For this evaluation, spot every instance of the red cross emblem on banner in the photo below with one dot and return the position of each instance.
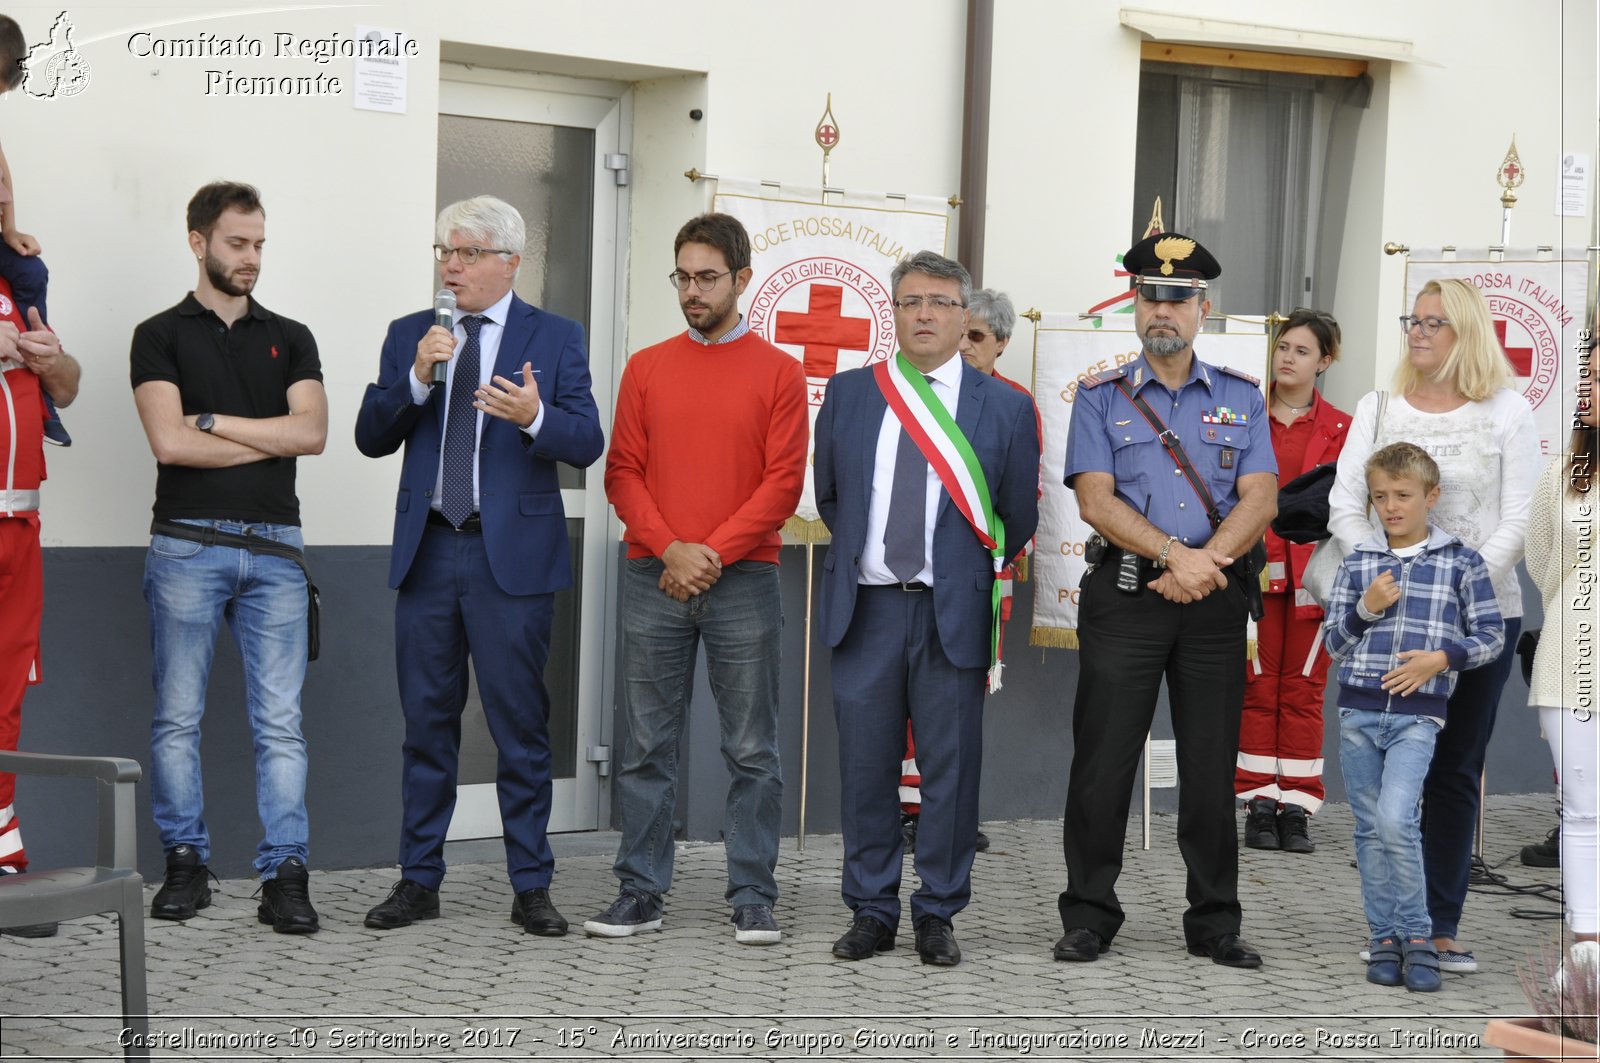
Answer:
(1521, 357)
(823, 330)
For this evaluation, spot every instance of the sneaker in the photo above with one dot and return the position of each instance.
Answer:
(1422, 966)
(753, 924)
(27, 930)
(286, 900)
(1383, 962)
(1261, 823)
(1294, 833)
(1544, 854)
(1458, 961)
(185, 890)
(630, 913)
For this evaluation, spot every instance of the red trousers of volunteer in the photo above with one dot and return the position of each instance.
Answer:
(1280, 732)
(21, 608)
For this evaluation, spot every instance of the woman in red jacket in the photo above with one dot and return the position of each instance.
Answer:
(1279, 771)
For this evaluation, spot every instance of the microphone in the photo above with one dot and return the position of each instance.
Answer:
(444, 315)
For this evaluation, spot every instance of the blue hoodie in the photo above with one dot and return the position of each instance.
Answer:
(1446, 603)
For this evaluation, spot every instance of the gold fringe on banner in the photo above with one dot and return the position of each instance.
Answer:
(1061, 638)
(1250, 650)
(802, 531)
(1022, 568)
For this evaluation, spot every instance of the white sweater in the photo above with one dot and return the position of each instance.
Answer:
(1488, 457)
(1562, 561)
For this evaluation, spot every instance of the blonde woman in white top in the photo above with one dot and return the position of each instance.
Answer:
(1453, 397)
(1562, 560)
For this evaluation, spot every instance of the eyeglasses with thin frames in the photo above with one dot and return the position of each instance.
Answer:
(977, 335)
(1427, 325)
(913, 303)
(705, 281)
(468, 255)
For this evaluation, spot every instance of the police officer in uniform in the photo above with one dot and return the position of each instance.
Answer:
(1167, 598)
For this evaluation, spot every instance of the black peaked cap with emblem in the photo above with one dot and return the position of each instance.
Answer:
(1170, 267)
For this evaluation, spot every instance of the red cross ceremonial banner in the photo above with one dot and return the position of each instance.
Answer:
(820, 288)
(1064, 353)
(1537, 307)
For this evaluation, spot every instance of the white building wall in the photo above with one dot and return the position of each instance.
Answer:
(102, 178)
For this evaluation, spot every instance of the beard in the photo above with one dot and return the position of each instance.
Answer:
(225, 282)
(1163, 346)
(716, 315)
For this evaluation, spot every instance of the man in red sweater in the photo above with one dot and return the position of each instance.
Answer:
(708, 456)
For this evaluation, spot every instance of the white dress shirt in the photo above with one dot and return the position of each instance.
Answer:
(946, 384)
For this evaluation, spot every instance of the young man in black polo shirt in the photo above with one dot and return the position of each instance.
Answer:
(229, 394)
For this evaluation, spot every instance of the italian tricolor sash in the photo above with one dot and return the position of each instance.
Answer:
(947, 450)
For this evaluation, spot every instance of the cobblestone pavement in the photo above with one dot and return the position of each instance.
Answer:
(471, 985)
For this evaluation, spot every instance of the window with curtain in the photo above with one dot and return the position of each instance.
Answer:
(1241, 161)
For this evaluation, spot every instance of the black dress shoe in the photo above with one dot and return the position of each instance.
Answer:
(406, 903)
(936, 943)
(865, 937)
(533, 910)
(1230, 950)
(1080, 945)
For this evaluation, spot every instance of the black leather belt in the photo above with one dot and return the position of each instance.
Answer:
(914, 586)
(473, 523)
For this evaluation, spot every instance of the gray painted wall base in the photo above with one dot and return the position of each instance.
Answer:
(95, 699)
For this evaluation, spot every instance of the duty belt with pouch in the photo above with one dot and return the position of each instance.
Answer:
(208, 536)
(1250, 565)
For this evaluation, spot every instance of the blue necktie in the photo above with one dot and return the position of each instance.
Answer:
(461, 430)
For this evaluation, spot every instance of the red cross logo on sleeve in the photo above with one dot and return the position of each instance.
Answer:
(823, 330)
(1521, 357)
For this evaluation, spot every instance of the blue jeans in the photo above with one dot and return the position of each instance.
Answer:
(191, 589)
(1450, 795)
(740, 620)
(1384, 757)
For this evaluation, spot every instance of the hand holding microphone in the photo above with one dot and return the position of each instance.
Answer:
(444, 316)
(438, 344)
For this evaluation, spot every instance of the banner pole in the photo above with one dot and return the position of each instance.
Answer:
(805, 700)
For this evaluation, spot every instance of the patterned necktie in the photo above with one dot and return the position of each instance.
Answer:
(905, 531)
(461, 429)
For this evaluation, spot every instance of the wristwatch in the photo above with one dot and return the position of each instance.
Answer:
(205, 422)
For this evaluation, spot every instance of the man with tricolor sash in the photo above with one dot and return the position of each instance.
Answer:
(926, 473)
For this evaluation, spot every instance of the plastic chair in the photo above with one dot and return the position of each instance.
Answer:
(113, 885)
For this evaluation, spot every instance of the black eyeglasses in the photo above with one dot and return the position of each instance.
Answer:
(468, 255)
(1426, 325)
(977, 335)
(705, 280)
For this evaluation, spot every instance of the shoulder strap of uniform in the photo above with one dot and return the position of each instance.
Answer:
(1241, 374)
(1104, 377)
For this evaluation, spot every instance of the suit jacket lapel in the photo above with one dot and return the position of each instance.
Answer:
(868, 427)
(516, 340)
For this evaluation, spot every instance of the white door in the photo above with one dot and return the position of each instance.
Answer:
(542, 144)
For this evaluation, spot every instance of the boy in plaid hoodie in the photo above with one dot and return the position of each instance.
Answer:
(1408, 611)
